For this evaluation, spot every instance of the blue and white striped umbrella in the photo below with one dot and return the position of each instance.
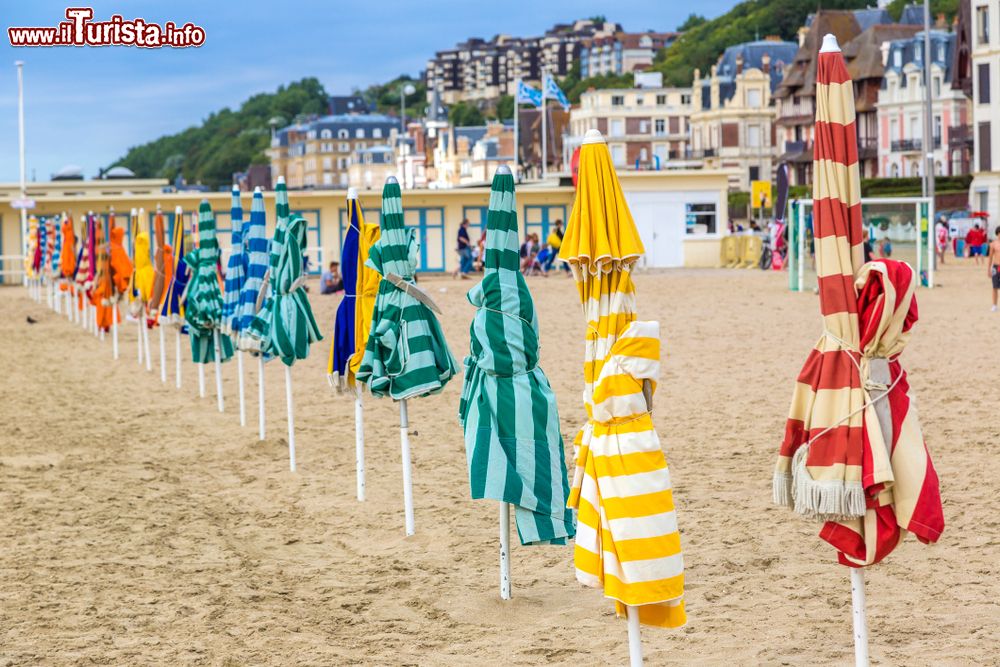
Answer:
(235, 271)
(255, 248)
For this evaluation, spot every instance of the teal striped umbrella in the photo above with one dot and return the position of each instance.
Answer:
(285, 327)
(508, 410)
(406, 354)
(203, 306)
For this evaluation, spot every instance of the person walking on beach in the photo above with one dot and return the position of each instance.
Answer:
(464, 251)
(993, 266)
(941, 240)
(975, 239)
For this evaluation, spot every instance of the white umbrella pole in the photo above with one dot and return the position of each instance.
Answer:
(93, 321)
(48, 294)
(243, 407)
(291, 418)
(56, 300)
(260, 396)
(634, 637)
(114, 331)
(404, 440)
(138, 343)
(201, 380)
(177, 353)
(858, 614)
(218, 370)
(504, 551)
(145, 341)
(359, 443)
(163, 356)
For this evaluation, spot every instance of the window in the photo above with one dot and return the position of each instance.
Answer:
(618, 155)
(983, 25)
(344, 147)
(983, 70)
(700, 218)
(685, 100)
(643, 155)
(661, 100)
(325, 134)
(359, 133)
(660, 152)
(754, 173)
(985, 159)
(617, 100)
(937, 130)
(377, 133)
(753, 136)
(617, 128)
(342, 134)
(327, 163)
(659, 126)
(638, 100)
(643, 126)
(311, 134)
(937, 86)
(753, 98)
(897, 58)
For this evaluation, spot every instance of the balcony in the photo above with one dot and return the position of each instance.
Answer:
(795, 146)
(701, 153)
(867, 148)
(960, 136)
(912, 145)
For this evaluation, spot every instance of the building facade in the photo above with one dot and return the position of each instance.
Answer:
(985, 60)
(622, 52)
(902, 145)
(733, 111)
(480, 70)
(318, 153)
(646, 128)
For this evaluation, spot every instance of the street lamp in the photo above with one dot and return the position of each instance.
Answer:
(404, 90)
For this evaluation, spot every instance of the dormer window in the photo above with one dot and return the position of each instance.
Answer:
(342, 134)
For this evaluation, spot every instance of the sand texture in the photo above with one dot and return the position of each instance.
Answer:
(140, 526)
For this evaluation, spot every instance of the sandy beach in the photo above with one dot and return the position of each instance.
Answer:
(140, 526)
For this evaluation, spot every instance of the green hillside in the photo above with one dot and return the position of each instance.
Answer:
(227, 141)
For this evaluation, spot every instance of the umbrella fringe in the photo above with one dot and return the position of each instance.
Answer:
(837, 500)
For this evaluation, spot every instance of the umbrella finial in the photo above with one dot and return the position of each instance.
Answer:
(281, 180)
(178, 210)
(504, 170)
(158, 208)
(352, 193)
(391, 179)
(593, 137)
(830, 44)
(258, 191)
(236, 188)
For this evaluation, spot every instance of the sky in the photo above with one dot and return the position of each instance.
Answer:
(87, 105)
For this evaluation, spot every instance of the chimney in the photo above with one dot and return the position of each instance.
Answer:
(941, 23)
(765, 63)
(884, 46)
(739, 64)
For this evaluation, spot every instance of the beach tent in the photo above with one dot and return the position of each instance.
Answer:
(285, 327)
(406, 355)
(203, 305)
(841, 460)
(513, 445)
(627, 540)
(255, 247)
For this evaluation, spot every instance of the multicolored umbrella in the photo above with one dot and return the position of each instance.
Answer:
(627, 540)
(406, 354)
(367, 290)
(203, 305)
(508, 411)
(235, 270)
(85, 266)
(342, 346)
(853, 454)
(32, 256)
(173, 304)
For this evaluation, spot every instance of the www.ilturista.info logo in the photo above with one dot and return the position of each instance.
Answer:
(80, 30)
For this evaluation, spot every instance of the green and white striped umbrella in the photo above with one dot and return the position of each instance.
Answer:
(203, 306)
(512, 439)
(285, 327)
(406, 354)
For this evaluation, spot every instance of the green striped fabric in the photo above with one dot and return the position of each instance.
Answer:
(406, 354)
(508, 411)
(203, 306)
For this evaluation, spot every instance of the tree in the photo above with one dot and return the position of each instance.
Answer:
(692, 21)
(505, 107)
(463, 114)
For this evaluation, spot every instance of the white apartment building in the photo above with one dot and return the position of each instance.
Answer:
(985, 57)
(648, 127)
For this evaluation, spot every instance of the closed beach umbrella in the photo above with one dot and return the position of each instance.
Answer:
(406, 354)
(32, 257)
(368, 280)
(342, 346)
(285, 326)
(235, 270)
(255, 248)
(67, 259)
(508, 411)
(162, 273)
(172, 311)
(853, 455)
(121, 276)
(627, 540)
(84, 267)
(203, 305)
(104, 291)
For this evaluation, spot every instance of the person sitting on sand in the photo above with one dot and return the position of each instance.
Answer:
(331, 281)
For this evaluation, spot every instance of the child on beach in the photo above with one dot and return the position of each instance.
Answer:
(993, 266)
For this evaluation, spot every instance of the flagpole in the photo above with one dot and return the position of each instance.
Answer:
(20, 143)
(517, 97)
(545, 148)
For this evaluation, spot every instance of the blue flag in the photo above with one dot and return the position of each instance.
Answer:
(528, 95)
(554, 92)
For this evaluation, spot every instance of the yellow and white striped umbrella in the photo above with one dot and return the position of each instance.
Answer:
(627, 538)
